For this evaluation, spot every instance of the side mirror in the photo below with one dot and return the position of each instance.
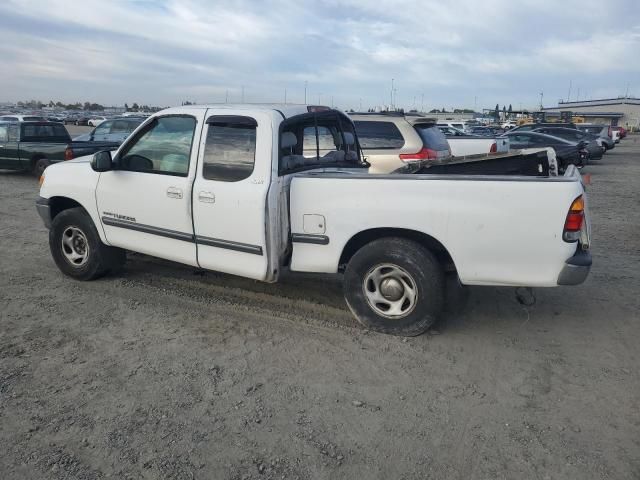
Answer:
(101, 161)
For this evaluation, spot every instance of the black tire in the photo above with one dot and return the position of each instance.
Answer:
(99, 259)
(39, 167)
(410, 259)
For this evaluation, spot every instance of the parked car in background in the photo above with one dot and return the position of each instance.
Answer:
(21, 118)
(82, 120)
(483, 131)
(508, 125)
(621, 130)
(95, 121)
(55, 118)
(602, 130)
(33, 146)
(463, 144)
(567, 152)
(532, 126)
(295, 176)
(594, 145)
(457, 125)
(115, 130)
(395, 143)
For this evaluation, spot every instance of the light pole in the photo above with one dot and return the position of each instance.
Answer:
(391, 104)
(305, 92)
(422, 103)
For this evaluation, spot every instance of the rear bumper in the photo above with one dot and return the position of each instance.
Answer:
(576, 269)
(44, 210)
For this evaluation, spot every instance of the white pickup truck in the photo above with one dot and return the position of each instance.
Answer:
(257, 190)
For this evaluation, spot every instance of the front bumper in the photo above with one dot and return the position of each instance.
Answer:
(44, 210)
(576, 269)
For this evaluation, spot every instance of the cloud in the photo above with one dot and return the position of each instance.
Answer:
(451, 52)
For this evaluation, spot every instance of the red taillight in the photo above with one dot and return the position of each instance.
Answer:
(574, 221)
(68, 153)
(424, 154)
(494, 148)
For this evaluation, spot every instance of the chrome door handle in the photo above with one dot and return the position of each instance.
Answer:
(173, 192)
(207, 197)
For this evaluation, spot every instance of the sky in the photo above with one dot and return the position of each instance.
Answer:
(440, 54)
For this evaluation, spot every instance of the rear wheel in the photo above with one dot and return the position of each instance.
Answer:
(394, 285)
(77, 249)
(39, 167)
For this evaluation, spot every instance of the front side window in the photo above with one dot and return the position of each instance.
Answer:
(123, 126)
(103, 128)
(4, 133)
(230, 150)
(378, 135)
(163, 147)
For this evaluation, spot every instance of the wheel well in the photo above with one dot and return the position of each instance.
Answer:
(361, 239)
(59, 204)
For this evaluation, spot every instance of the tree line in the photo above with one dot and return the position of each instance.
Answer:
(86, 106)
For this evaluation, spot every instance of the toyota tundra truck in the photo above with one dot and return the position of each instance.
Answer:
(257, 191)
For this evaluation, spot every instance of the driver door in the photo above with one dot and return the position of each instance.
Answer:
(145, 202)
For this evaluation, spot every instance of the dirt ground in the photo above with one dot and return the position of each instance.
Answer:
(162, 372)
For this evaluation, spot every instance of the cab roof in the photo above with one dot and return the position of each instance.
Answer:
(287, 110)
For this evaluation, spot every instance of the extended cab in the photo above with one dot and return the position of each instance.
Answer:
(257, 190)
(33, 146)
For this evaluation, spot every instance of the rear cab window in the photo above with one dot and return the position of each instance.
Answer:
(378, 135)
(317, 140)
(50, 132)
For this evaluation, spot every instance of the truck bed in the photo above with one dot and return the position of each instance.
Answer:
(498, 229)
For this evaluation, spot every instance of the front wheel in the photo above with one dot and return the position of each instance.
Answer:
(77, 249)
(395, 285)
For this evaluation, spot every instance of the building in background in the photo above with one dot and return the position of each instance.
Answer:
(623, 111)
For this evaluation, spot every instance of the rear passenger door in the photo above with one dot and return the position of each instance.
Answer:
(230, 192)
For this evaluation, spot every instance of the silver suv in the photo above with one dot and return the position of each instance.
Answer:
(393, 142)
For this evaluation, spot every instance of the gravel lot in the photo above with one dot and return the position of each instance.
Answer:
(164, 372)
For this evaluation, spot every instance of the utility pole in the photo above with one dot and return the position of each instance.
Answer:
(475, 103)
(422, 103)
(391, 104)
(541, 97)
(320, 99)
(626, 93)
(305, 92)
(569, 95)
(578, 97)
(226, 97)
(360, 104)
